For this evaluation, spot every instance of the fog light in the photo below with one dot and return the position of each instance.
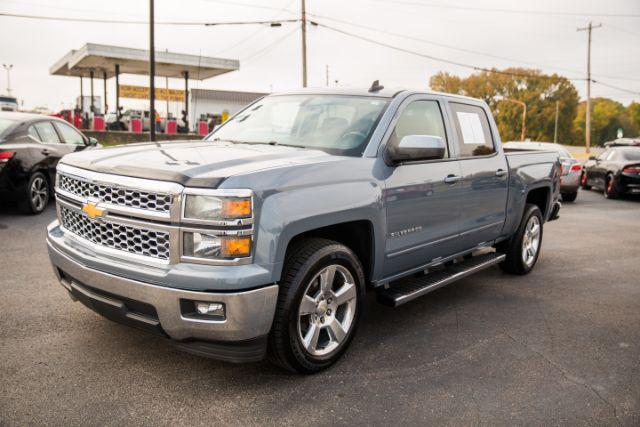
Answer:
(215, 309)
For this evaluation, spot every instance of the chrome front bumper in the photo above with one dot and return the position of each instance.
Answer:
(249, 314)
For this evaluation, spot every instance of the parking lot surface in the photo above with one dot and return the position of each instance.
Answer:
(559, 346)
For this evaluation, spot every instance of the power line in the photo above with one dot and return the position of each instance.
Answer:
(615, 87)
(446, 46)
(251, 5)
(276, 42)
(138, 22)
(462, 64)
(435, 58)
(513, 11)
(254, 33)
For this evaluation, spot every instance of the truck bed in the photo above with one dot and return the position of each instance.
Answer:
(528, 170)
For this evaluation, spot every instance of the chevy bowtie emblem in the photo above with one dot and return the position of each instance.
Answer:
(92, 210)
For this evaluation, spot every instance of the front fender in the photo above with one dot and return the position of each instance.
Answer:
(287, 214)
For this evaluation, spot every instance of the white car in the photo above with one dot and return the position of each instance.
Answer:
(8, 103)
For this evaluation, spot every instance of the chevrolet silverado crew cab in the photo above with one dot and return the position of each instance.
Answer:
(262, 239)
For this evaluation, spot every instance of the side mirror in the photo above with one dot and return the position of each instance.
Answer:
(418, 147)
(592, 158)
(92, 142)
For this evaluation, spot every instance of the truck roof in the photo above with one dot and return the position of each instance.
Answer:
(360, 91)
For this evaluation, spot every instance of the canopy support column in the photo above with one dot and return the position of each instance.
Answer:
(92, 98)
(118, 124)
(104, 81)
(186, 100)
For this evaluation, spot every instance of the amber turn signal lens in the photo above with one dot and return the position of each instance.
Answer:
(236, 208)
(236, 247)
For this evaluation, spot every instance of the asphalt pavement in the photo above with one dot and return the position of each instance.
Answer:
(559, 346)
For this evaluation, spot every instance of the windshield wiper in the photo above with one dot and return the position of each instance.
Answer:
(272, 142)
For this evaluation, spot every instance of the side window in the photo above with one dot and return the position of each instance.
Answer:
(420, 118)
(474, 132)
(69, 134)
(47, 132)
(34, 133)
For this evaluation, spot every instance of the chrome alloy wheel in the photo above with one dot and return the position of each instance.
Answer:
(327, 310)
(531, 241)
(39, 193)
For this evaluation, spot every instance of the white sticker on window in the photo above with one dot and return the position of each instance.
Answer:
(471, 128)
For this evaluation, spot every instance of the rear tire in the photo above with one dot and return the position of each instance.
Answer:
(523, 249)
(35, 196)
(611, 188)
(569, 197)
(583, 181)
(320, 304)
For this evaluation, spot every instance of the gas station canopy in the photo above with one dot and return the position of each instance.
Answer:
(103, 59)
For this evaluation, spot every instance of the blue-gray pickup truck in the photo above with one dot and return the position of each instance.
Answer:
(261, 240)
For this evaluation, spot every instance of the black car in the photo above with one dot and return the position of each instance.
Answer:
(30, 147)
(616, 172)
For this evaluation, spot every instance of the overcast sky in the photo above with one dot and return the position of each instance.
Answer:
(270, 57)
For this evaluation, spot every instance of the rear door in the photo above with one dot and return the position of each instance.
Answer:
(52, 147)
(422, 207)
(484, 168)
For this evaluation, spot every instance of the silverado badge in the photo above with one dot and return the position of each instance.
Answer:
(92, 210)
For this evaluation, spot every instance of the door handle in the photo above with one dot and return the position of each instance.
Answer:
(501, 172)
(46, 152)
(451, 179)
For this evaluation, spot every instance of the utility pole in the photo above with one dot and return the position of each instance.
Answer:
(303, 23)
(555, 129)
(8, 68)
(152, 74)
(588, 119)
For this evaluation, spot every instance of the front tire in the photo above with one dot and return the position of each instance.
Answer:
(611, 188)
(319, 306)
(36, 195)
(569, 197)
(583, 181)
(523, 249)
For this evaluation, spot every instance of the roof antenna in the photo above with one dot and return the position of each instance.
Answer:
(376, 86)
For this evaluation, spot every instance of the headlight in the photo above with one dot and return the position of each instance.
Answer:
(216, 208)
(209, 246)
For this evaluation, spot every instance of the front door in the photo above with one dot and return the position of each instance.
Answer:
(421, 197)
(484, 176)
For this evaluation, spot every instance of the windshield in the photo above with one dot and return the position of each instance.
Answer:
(336, 124)
(632, 154)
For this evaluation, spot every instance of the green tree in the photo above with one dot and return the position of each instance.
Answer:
(632, 119)
(537, 90)
(607, 116)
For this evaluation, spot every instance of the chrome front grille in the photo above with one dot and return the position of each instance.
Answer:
(119, 196)
(134, 240)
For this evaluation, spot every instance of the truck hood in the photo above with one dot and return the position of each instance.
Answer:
(192, 163)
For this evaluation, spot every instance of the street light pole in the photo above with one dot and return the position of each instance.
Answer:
(304, 43)
(555, 128)
(152, 74)
(8, 68)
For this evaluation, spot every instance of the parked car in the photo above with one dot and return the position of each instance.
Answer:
(8, 103)
(616, 172)
(262, 239)
(30, 147)
(623, 142)
(571, 167)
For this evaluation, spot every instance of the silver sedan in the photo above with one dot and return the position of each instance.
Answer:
(571, 167)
